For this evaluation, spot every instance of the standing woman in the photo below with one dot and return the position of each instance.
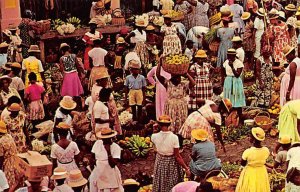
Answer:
(200, 71)
(289, 88)
(233, 84)
(168, 163)
(33, 64)
(264, 78)
(25, 28)
(6, 91)
(200, 17)
(186, 8)
(225, 34)
(71, 85)
(237, 11)
(171, 42)
(254, 176)
(88, 39)
(249, 39)
(259, 28)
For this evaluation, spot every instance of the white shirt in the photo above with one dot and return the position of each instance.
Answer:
(259, 26)
(240, 54)
(65, 118)
(3, 59)
(32, 58)
(98, 54)
(3, 182)
(89, 102)
(165, 142)
(100, 110)
(189, 53)
(138, 36)
(293, 156)
(101, 154)
(131, 56)
(17, 84)
(236, 64)
(4, 113)
(63, 188)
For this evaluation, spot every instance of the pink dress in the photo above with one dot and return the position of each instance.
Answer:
(161, 92)
(295, 92)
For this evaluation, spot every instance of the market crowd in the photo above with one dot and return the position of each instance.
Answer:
(83, 89)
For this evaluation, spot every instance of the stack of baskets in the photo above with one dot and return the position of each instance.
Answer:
(175, 69)
(117, 17)
(263, 121)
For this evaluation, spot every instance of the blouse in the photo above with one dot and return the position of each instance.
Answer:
(236, 65)
(165, 142)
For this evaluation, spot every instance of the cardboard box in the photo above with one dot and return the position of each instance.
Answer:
(33, 164)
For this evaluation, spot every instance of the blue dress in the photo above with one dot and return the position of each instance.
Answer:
(225, 34)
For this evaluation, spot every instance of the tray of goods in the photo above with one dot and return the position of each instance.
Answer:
(176, 64)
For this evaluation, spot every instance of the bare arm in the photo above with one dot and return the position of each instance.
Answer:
(160, 78)
(219, 136)
(127, 38)
(191, 79)
(179, 159)
(293, 69)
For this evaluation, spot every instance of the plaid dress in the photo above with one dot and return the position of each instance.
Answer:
(203, 88)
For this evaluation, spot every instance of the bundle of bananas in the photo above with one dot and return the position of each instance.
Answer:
(74, 21)
(249, 74)
(139, 146)
(56, 23)
(215, 19)
(177, 59)
(147, 188)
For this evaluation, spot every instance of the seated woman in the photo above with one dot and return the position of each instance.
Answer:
(204, 158)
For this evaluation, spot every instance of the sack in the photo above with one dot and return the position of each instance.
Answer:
(232, 120)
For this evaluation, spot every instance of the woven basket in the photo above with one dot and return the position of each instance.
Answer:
(175, 69)
(214, 46)
(262, 118)
(117, 17)
(178, 18)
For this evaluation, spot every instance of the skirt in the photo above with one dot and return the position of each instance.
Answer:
(71, 85)
(171, 45)
(203, 90)
(167, 173)
(295, 92)
(118, 62)
(36, 110)
(143, 53)
(234, 91)
(96, 73)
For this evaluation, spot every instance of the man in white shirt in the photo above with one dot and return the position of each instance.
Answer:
(237, 44)
(97, 54)
(259, 28)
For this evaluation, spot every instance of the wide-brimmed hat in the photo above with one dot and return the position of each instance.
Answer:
(106, 133)
(165, 119)
(130, 182)
(67, 103)
(35, 179)
(3, 128)
(150, 28)
(120, 40)
(285, 139)
(14, 107)
(287, 50)
(236, 39)
(93, 21)
(297, 13)
(167, 16)
(6, 77)
(140, 23)
(199, 134)
(59, 173)
(297, 24)
(290, 7)
(16, 65)
(231, 51)
(227, 103)
(34, 48)
(134, 64)
(261, 12)
(201, 54)
(273, 14)
(258, 133)
(3, 45)
(63, 45)
(12, 27)
(63, 125)
(102, 75)
(246, 15)
(281, 14)
(76, 178)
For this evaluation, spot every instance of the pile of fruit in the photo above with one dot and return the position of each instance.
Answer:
(125, 117)
(223, 184)
(276, 83)
(74, 21)
(177, 59)
(147, 188)
(275, 109)
(248, 75)
(263, 123)
(139, 146)
(173, 13)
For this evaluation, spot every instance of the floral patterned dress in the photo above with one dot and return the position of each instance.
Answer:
(8, 150)
(176, 105)
(249, 37)
(171, 42)
(15, 129)
(264, 95)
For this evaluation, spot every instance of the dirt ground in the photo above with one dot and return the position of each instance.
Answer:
(233, 154)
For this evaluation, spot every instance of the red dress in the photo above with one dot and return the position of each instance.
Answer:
(88, 38)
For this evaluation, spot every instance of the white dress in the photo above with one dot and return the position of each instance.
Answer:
(259, 26)
(65, 157)
(104, 178)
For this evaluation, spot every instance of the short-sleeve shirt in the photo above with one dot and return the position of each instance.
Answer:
(259, 26)
(293, 156)
(65, 118)
(17, 83)
(90, 103)
(135, 83)
(100, 110)
(131, 56)
(236, 64)
(100, 151)
(240, 54)
(98, 54)
(256, 157)
(34, 91)
(281, 158)
(165, 142)
(30, 59)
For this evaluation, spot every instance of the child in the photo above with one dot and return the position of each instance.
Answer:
(280, 158)
(33, 94)
(135, 84)
(189, 50)
(16, 81)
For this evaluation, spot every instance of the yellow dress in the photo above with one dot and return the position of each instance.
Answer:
(287, 124)
(254, 177)
(32, 66)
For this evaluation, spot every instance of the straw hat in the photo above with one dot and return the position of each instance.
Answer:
(140, 23)
(99, 4)
(5, 77)
(273, 14)
(226, 18)
(63, 125)
(106, 133)
(287, 50)
(14, 107)
(236, 39)
(231, 51)
(227, 103)
(167, 16)
(34, 48)
(201, 54)
(290, 7)
(297, 13)
(16, 65)
(102, 75)
(76, 179)
(261, 12)
(134, 64)
(12, 27)
(130, 182)
(281, 14)
(3, 128)
(258, 133)
(63, 45)
(199, 134)
(285, 140)
(93, 21)
(120, 40)
(6, 67)
(3, 45)
(245, 15)
(67, 103)
(35, 179)
(164, 119)
(150, 28)
(59, 173)
(297, 24)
